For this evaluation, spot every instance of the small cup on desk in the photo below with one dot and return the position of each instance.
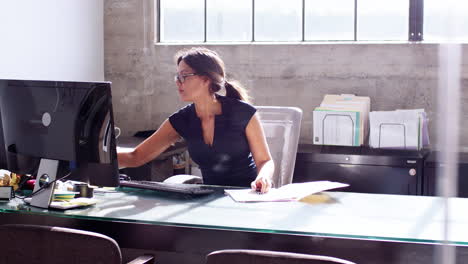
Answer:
(83, 190)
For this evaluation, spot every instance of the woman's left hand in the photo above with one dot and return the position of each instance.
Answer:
(261, 184)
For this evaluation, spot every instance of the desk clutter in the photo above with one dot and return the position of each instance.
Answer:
(346, 120)
(8, 179)
(9, 183)
(66, 195)
(70, 194)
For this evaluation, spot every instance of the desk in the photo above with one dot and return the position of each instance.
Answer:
(365, 228)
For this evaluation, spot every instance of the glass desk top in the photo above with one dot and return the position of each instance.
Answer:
(347, 215)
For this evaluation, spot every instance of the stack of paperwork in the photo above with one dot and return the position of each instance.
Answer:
(289, 192)
(342, 120)
(399, 129)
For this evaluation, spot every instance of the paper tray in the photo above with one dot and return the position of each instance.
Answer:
(340, 128)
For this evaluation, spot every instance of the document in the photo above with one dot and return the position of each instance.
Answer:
(289, 192)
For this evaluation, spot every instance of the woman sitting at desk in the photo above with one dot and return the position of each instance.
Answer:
(223, 133)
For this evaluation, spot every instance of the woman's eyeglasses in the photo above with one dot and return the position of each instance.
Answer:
(181, 77)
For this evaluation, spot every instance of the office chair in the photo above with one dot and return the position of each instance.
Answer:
(245, 256)
(282, 127)
(53, 245)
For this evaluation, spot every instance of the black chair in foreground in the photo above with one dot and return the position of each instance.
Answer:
(244, 256)
(53, 245)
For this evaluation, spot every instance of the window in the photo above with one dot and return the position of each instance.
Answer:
(302, 20)
(382, 19)
(435, 21)
(329, 20)
(229, 24)
(181, 21)
(278, 20)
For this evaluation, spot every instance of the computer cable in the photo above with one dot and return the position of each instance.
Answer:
(23, 180)
(43, 187)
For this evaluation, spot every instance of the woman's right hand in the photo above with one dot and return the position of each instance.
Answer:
(261, 184)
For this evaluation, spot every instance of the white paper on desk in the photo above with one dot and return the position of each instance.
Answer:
(289, 192)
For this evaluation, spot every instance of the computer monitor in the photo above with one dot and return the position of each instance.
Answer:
(59, 124)
(3, 161)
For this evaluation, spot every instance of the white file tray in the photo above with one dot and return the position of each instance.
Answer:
(392, 136)
(395, 130)
(340, 128)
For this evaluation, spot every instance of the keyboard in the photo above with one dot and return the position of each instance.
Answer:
(191, 189)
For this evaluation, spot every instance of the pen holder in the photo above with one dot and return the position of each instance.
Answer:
(83, 190)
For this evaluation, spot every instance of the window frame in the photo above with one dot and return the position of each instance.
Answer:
(415, 24)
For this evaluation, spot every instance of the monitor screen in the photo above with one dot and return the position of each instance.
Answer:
(70, 122)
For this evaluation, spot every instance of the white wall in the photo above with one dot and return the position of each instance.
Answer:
(52, 40)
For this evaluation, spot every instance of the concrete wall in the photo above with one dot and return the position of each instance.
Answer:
(52, 40)
(395, 76)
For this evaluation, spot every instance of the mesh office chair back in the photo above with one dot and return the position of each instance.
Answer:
(282, 127)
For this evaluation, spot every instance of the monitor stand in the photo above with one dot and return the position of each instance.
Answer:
(47, 172)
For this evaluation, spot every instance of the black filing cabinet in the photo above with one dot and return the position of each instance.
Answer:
(158, 169)
(431, 170)
(366, 170)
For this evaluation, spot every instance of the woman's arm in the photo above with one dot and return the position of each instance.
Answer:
(150, 148)
(261, 154)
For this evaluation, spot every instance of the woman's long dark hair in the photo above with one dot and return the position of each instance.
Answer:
(208, 63)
